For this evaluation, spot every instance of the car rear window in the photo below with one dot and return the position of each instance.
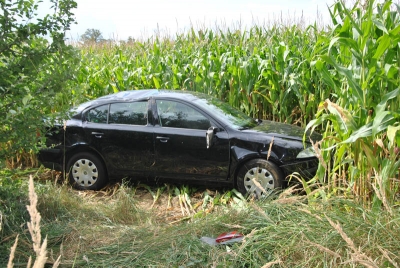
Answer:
(132, 113)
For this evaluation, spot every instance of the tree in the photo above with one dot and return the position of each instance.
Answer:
(35, 69)
(92, 36)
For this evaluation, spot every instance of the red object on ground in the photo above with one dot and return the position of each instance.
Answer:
(228, 236)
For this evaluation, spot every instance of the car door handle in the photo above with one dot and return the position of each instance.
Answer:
(162, 139)
(98, 134)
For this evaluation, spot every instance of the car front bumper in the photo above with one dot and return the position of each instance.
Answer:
(306, 168)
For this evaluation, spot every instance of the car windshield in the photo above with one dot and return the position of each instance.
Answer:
(226, 113)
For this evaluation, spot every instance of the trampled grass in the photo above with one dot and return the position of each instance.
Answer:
(120, 227)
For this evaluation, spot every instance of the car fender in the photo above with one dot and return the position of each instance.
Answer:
(84, 147)
(240, 155)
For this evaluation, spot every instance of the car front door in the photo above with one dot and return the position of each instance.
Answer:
(121, 134)
(180, 143)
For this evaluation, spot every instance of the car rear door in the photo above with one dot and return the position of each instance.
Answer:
(121, 134)
(180, 143)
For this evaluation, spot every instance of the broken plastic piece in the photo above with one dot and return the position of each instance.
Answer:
(223, 239)
(228, 236)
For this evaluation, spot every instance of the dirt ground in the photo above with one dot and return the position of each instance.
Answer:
(161, 200)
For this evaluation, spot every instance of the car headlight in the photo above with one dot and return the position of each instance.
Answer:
(307, 153)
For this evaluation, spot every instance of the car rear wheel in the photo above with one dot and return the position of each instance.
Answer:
(86, 172)
(259, 177)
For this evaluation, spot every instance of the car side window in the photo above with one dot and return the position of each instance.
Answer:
(98, 114)
(132, 113)
(179, 115)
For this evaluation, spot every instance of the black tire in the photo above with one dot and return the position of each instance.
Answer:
(86, 172)
(267, 175)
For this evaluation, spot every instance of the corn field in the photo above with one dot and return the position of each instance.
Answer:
(265, 71)
(342, 81)
(360, 63)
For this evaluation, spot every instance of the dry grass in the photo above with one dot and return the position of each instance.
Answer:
(356, 255)
(22, 159)
(133, 225)
(12, 254)
(39, 247)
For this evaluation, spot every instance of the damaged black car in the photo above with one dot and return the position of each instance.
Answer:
(184, 136)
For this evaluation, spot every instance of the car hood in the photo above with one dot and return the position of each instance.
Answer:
(285, 131)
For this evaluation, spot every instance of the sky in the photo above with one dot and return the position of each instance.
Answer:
(120, 19)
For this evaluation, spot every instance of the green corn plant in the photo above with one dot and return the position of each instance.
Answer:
(184, 200)
(361, 64)
(263, 71)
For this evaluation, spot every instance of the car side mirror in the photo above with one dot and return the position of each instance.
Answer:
(210, 136)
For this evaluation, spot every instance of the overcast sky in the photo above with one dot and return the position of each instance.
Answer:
(119, 19)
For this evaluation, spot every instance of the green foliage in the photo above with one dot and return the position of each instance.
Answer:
(13, 200)
(360, 61)
(264, 71)
(35, 67)
(13, 213)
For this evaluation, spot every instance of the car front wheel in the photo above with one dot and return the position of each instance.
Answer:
(86, 172)
(259, 177)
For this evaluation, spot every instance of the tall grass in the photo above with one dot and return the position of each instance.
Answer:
(114, 228)
(34, 227)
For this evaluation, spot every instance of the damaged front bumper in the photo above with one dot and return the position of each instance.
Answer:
(305, 168)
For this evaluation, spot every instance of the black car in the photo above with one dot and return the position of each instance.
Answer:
(178, 135)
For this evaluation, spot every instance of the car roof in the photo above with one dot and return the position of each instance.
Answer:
(131, 95)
